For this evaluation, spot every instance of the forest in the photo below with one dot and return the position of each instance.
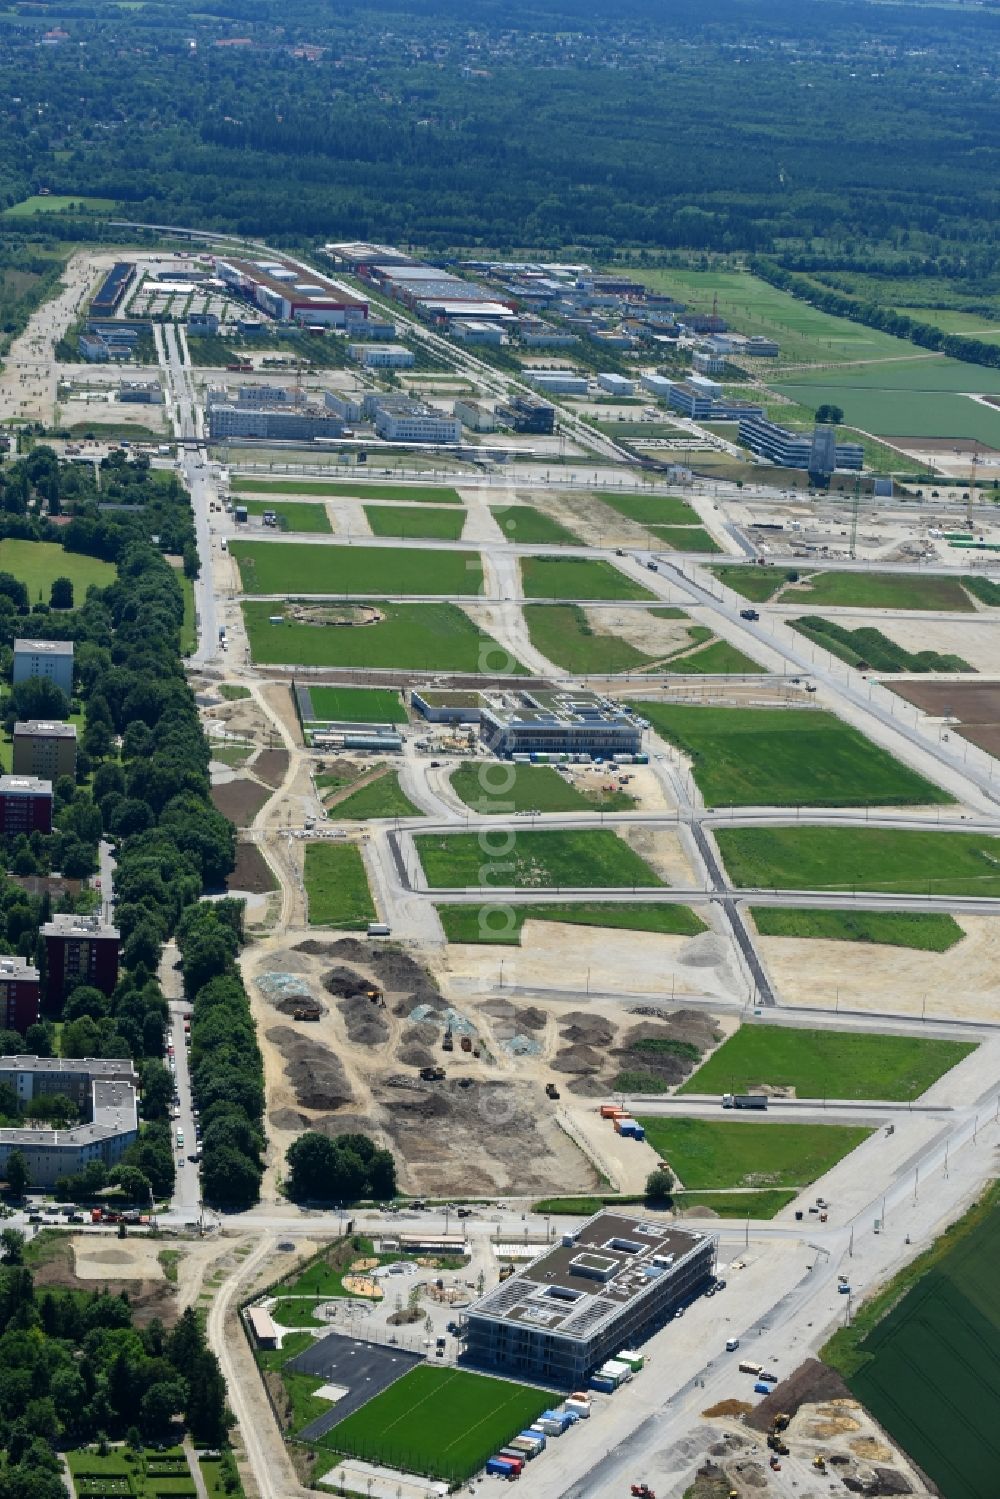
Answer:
(733, 125)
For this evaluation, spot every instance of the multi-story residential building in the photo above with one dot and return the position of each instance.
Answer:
(602, 1290)
(25, 805)
(105, 1090)
(45, 658)
(46, 749)
(19, 993)
(80, 950)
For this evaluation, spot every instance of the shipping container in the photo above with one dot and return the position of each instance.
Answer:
(528, 1435)
(747, 1368)
(635, 1361)
(578, 1409)
(611, 1111)
(498, 1467)
(623, 1124)
(606, 1386)
(516, 1459)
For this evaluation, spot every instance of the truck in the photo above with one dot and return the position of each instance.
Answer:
(241, 514)
(551, 1091)
(748, 1368)
(749, 614)
(379, 929)
(744, 1101)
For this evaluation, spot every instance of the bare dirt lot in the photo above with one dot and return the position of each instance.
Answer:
(239, 799)
(128, 1259)
(863, 976)
(976, 704)
(251, 872)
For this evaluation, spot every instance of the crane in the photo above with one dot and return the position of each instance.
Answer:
(855, 509)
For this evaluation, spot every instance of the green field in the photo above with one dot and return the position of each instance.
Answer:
(293, 515)
(233, 692)
(297, 568)
(881, 591)
(755, 583)
(686, 538)
(504, 923)
(868, 647)
(337, 887)
(785, 758)
(805, 335)
(524, 523)
(441, 1422)
(577, 578)
(908, 398)
(926, 931)
(757, 1205)
(356, 705)
(731, 1153)
(403, 520)
(415, 637)
(495, 789)
(564, 635)
(651, 509)
(927, 1363)
(530, 858)
(902, 860)
(58, 203)
(428, 494)
(150, 1474)
(38, 563)
(718, 659)
(826, 1064)
(383, 797)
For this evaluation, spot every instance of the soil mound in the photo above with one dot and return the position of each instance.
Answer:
(365, 1023)
(811, 1383)
(314, 1072)
(416, 1056)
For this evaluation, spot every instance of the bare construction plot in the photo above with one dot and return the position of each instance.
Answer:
(976, 705)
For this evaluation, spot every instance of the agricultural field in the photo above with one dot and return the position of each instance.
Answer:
(37, 564)
(414, 637)
(805, 335)
(925, 931)
(427, 494)
(58, 203)
(826, 1063)
(881, 591)
(293, 515)
(463, 923)
(731, 1153)
(927, 1363)
(576, 578)
(915, 397)
(441, 1422)
(903, 860)
(870, 647)
(383, 797)
(297, 569)
(538, 858)
(524, 523)
(499, 790)
(785, 758)
(652, 509)
(426, 524)
(564, 636)
(337, 887)
(356, 705)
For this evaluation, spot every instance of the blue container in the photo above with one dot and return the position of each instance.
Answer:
(606, 1386)
(497, 1468)
(761, 1389)
(638, 1133)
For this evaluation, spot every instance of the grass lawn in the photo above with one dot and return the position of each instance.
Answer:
(881, 591)
(428, 494)
(827, 1064)
(687, 538)
(906, 860)
(189, 624)
(38, 563)
(233, 692)
(730, 1153)
(380, 798)
(871, 647)
(232, 755)
(441, 1422)
(221, 1476)
(476, 923)
(564, 635)
(718, 659)
(498, 789)
(418, 637)
(594, 856)
(757, 1205)
(927, 931)
(785, 758)
(337, 887)
(293, 516)
(652, 509)
(755, 583)
(923, 1354)
(526, 524)
(356, 705)
(297, 1311)
(298, 568)
(402, 520)
(58, 203)
(577, 578)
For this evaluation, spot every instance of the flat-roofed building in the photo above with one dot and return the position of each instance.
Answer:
(562, 723)
(45, 658)
(25, 805)
(291, 293)
(527, 414)
(475, 416)
(105, 1090)
(261, 1324)
(80, 950)
(606, 1288)
(44, 748)
(818, 451)
(380, 356)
